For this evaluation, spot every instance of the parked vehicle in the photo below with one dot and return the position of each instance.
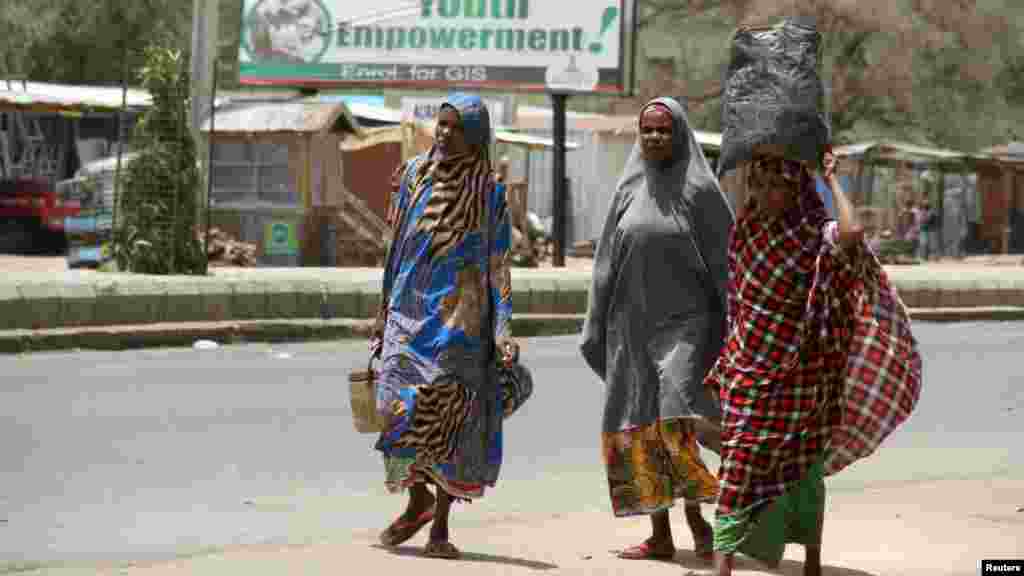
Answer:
(32, 216)
(88, 231)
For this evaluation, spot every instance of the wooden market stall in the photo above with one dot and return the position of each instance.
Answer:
(881, 176)
(1001, 188)
(279, 182)
(370, 160)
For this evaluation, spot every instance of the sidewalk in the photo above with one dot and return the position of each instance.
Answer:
(944, 528)
(66, 309)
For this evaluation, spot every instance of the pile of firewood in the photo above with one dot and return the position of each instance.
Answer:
(224, 250)
(542, 250)
(584, 249)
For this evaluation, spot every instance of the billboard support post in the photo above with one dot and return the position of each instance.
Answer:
(558, 184)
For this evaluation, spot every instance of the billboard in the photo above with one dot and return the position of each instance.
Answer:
(507, 45)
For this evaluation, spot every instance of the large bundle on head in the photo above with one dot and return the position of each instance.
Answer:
(772, 94)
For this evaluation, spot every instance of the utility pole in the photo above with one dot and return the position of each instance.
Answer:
(204, 48)
(205, 16)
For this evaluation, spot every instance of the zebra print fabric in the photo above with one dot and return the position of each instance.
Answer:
(456, 203)
(441, 410)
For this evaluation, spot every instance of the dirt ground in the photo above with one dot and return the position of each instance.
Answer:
(942, 527)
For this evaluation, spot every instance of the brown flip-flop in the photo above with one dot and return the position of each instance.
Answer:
(646, 551)
(401, 530)
(441, 549)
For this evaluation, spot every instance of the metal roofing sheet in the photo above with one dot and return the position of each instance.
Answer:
(899, 150)
(68, 98)
(298, 116)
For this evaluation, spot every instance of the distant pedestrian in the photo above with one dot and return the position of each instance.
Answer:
(444, 323)
(654, 325)
(927, 234)
(909, 223)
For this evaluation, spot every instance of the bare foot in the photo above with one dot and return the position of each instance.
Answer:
(441, 549)
(723, 564)
(703, 534)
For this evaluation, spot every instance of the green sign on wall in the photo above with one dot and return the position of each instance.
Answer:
(280, 239)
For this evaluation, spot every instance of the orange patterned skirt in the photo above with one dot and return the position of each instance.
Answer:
(650, 467)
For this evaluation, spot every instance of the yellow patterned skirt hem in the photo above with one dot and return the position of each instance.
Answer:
(650, 467)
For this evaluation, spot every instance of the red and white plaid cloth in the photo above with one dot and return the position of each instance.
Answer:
(819, 358)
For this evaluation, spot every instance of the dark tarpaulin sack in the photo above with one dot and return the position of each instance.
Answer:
(772, 94)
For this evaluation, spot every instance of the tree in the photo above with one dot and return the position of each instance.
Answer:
(891, 66)
(22, 26)
(85, 42)
(156, 227)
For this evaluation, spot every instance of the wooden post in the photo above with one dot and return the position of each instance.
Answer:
(1011, 205)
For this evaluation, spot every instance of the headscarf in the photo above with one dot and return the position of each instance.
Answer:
(688, 188)
(459, 182)
(689, 183)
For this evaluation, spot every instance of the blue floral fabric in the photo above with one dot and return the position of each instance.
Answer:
(437, 377)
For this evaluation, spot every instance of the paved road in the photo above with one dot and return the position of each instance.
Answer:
(153, 454)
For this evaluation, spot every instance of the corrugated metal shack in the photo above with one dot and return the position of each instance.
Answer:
(881, 176)
(370, 160)
(50, 130)
(278, 183)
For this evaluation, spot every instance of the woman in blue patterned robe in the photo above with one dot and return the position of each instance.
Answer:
(441, 329)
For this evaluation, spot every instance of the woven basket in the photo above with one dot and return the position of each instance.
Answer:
(362, 386)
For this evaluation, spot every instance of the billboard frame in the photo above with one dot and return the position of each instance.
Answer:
(628, 33)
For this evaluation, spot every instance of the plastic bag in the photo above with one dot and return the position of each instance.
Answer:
(772, 94)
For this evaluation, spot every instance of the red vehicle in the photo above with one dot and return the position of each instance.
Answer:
(47, 132)
(32, 216)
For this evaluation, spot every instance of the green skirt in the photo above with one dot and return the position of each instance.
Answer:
(795, 517)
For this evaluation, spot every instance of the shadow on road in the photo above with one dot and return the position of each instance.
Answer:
(475, 557)
(791, 568)
(787, 568)
(696, 566)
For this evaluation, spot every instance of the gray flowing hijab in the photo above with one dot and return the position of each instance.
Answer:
(687, 189)
(690, 179)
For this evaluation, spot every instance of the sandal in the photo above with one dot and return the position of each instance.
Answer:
(402, 530)
(441, 549)
(647, 551)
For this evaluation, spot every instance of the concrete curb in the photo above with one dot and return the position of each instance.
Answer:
(977, 314)
(77, 299)
(129, 337)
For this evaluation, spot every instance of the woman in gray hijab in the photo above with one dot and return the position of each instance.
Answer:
(655, 324)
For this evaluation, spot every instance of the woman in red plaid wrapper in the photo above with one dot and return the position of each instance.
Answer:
(818, 368)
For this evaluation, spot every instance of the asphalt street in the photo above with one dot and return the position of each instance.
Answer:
(161, 453)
